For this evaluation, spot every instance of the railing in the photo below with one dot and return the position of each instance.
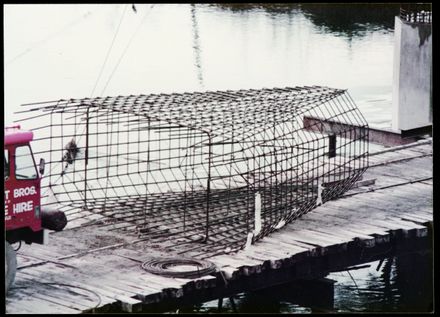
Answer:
(412, 16)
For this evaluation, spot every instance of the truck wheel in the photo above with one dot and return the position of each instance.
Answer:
(10, 265)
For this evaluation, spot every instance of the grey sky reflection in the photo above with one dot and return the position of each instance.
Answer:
(57, 51)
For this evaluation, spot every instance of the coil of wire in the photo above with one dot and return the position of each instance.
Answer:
(167, 267)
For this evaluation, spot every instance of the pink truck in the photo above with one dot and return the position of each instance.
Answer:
(25, 220)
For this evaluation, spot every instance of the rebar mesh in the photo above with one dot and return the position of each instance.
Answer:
(199, 171)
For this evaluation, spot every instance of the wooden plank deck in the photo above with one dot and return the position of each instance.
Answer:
(89, 268)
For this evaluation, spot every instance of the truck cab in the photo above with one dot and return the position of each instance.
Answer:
(22, 188)
(25, 219)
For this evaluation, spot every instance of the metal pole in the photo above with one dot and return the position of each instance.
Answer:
(86, 158)
(208, 187)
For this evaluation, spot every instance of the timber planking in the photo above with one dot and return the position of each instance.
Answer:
(92, 268)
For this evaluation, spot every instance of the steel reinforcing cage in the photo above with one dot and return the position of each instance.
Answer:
(205, 170)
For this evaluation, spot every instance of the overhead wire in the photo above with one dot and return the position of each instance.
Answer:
(122, 55)
(107, 54)
(49, 37)
(106, 59)
(109, 50)
(126, 49)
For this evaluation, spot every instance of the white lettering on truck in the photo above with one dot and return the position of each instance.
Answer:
(24, 206)
(7, 201)
(20, 192)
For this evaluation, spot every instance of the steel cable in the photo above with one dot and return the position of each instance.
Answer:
(109, 50)
(161, 266)
(126, 49)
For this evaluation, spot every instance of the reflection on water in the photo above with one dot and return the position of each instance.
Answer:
(196, 45)
(249, 303)
(398, 284)
(59, 51)
(353, 21)
(337, 18)
(402, 284)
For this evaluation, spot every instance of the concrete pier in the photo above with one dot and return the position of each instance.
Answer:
(412, 77)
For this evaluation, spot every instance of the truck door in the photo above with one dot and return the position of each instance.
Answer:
(22, 189)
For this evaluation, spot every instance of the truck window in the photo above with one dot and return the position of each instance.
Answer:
(6, 164)
(24, 163)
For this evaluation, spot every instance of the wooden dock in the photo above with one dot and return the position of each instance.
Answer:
(90, 268)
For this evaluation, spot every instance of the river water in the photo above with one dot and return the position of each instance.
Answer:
(72, 51)
(399, 284)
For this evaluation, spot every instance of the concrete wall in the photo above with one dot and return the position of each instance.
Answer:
(412, 77)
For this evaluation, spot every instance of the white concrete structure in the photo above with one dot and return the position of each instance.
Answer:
(412, 77)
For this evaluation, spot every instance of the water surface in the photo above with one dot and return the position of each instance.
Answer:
(63, 51)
